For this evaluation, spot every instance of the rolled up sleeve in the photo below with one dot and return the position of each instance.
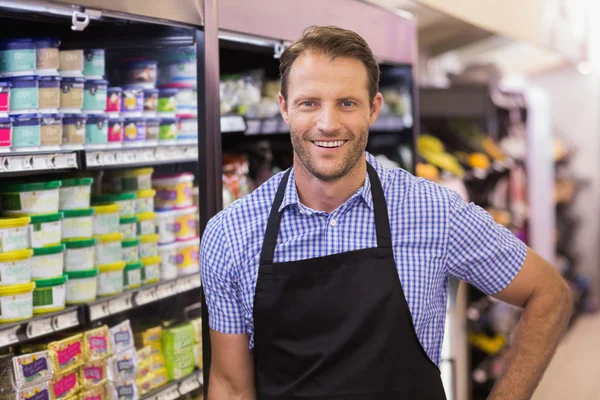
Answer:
(481, 251)
(219, 282)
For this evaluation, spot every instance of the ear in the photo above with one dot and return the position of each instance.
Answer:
(283, 108)
(375, 108)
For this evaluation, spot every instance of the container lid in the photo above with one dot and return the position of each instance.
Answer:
(51, 78)
(22, 78)
(116, 266)
(169, 246)
(46, 251)
(146, 216)
(135, 86)
(134, 119)
(79, 116)
(73, 79)
(108, 209)
(168, 92)
(165, 213)
(167, 120)
(128, 220)
(44, 43)
(42, 218)
(96, 82)
(13, 222)
(46, 283)
(151, 91)
(115, 89)
(90, 273)
(152, 121)
(186, 116)
(82, 212)
(77, 182)
(16, 255)
(133, 265)
(51, 117)
(151, 238)
(146, 193)
(25, 119)
(111, 198)
(115, 120)
(151, 260)
(185, 176)
(5, 84)
(135, 172)
(94, 51)
(111, 237)
(95, 118)
(130, 243)
(14, 290)
(187, 210)
(79, 243)
(29, 187)
(17, 44)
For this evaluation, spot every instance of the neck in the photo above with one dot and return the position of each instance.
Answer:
(328, 196)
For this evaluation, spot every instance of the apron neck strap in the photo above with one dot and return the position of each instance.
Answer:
(382, 222)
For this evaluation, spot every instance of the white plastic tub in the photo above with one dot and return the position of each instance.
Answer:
(168, 263)
(185, 223)
(50, 295)
(75, 193)
(110, 279)
(15, 267)
(106, 219)
(48, 262)
(148, 246)
(146, 224)
(144, 201)
(16, 302)
(131, 250)
(188, 257)
(132, 275)
(151, 271)
(128, 227)
(14, 234)
(173, 191)
(81, 286)
(45, 230)
(78, 224)
(79, 254)
(30, 198)
(165, 222)
(108, 248)
(125, 200)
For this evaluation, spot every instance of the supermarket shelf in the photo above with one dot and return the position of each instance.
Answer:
(139, 156)
(18, 332)
(23, 163)
(389, 123)
(178, 388)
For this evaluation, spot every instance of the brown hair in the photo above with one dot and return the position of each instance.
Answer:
(333, 42)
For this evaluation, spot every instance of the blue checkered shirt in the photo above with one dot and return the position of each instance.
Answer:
(435, 233)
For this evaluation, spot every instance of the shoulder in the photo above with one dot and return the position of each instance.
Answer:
(404, 188)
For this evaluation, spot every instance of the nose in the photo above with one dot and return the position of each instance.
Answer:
(328, 120)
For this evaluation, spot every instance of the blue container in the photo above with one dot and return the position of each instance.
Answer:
(96, 129)
(93, 63)
(94, 96)
(26, 130)
(135, 130)
(24, 96)
(17, 56)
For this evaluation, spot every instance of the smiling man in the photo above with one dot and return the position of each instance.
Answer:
(330, 280)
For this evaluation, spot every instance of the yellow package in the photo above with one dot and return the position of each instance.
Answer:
(197, 324)
(93, 373)
(198, 355)
(144, 354)
(144, 385)
(158, 362)
(152, 335)
(159, 378)
(66, 385)
(144, 362)
(96, 393)
(66, 354)
(97, 343)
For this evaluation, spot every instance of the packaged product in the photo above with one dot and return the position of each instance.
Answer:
(121, 337)
(96, 393)
(144, 384)
(159, 378)
(124, 365)
(197, 324)
(97, 343)
(150, 337)
(32, 369)
(66, 354)
(65, 385)
(94, 373)
(41, 391)
(178, 348)
(198, 355)
(125, 389)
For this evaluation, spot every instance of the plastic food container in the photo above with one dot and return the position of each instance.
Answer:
(93, 64)
(74, 130)
(15, 267)
(110, 279)
(16, 302)
(49, 94)
(188, 255)
(150, 102)
(108, 248)
(132, 275)
(71, 62)
(95, 96)
(148, 246)
(132, 180)
(128, 226)
(146, 223)
(75, 193)
(182, 73)
(5, 134)
(106, 219)
(168, 130)
(45, 230)
(116, 130)
(51, 129)
(185, 223)
(24, 94)
(17, 57)
(151, 271)
(71, 95)
(135, 131)
(96, 130)
(4, 96)
(81, 286)
(79, 254)
(141, 72)
(14, 234)
(30, 198)
(131, 250)
(47, 56)
(165, 222)
(144, 201)
(187, 101)
(78, 224)
(125, 200)
(132, 100)
(167, 102)
(152, 130)
(49, 295)
(168, 263)
(27, 131)
(47, 262)
(188, 127)
(173, 191)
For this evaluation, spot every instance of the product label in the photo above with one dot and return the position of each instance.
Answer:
(77, 227)
(94, 99)
(79, 290)
(113, 102)
(69, 354)
(74, 197)
(93, 373)
(32, 370)
(125, 391)
(152, 132)
(19, 306)
(122, 337)
(17, 60)
(148, 250)
(168, 132)
(133, 278)
(133, 100)
(110, 282)
(43, 298)
(152, 272)
(108, 253)
(125, 366)
(24, 99)
(128, 230)
(115, 132)
(167, 104)
(106, 223)
(150, 102)
(13, 239)
(15, 272)
(26, 136)
(146, 227)
(50, 266)
(130, 254)
(166, 194)
(98, 343)
(5, 130)
(96, 133)
(41, 395)
(145, 204)
(67, 383)
(79, 259)
(127, 207)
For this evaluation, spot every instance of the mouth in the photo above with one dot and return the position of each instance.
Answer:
(329, 144)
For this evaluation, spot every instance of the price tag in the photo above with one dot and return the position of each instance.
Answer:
(201, 378)
(145, 296)
(42, 162)
(98, 311)
(128, 157)
(91, 159)
(120, 304)
(22, 163)
(253, 127)
(170, 393)
(161, 153)
(163, 291)
(65, 321)
(39, 327)
(65, 160)
(147, 155)
(9, 336)
(270, 126)
(188, 385)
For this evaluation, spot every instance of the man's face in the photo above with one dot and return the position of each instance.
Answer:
(329, 113)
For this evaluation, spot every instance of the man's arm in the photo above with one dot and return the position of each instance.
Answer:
(232, 368)
(548, 302)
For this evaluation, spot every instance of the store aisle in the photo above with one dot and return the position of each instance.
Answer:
(574, 372)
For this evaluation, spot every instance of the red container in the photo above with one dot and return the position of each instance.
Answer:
(4, 97)
(116, 129)
(5, 133)
(113, 99)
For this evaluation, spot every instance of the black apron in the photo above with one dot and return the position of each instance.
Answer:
(338, 327)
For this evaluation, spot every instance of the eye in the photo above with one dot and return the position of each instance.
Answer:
(347, 103)
(308, 103)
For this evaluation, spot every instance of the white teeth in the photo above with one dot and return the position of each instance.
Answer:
(337, 143)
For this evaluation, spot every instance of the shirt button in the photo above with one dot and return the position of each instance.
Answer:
(333, 222)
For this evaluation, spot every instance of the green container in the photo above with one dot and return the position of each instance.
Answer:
(49, 295)
(178, 347)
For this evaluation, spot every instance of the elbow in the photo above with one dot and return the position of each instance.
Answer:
(567, 300)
